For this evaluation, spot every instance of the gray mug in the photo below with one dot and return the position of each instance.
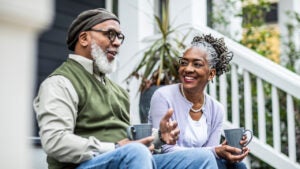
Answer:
(139, 131)
(234, 136)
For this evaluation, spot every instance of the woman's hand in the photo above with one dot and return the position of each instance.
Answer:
(168, 129)
(232, 154)
(244, 140)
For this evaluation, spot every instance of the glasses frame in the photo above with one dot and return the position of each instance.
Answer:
(194, 63)
(111, 37)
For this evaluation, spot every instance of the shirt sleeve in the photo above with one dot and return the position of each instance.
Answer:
(216, 130)
(56, 111)
(158, 107)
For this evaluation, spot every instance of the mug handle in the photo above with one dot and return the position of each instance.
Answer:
(130, 131)
(251, 136)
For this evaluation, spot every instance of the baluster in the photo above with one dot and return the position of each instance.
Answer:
(248, 101)
(276, 120)
(235, 96)
(213, 88)
(291, 127)
(261, 110)
(223, 94)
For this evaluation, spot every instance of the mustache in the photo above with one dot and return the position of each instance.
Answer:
(115, 52)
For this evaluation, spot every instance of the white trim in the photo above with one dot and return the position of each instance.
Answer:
(20, 24)
(109, 5)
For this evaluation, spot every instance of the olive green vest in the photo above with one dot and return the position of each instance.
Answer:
(103, 109)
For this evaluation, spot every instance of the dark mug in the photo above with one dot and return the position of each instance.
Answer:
(139, 131)
(235, 135)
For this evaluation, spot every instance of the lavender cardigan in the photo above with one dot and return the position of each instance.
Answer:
(170, 97)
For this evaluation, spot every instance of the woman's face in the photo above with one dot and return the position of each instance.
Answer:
(194, 71)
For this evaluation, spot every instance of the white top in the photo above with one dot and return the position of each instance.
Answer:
(195, 133)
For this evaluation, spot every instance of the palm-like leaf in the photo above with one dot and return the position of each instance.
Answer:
(159, 62)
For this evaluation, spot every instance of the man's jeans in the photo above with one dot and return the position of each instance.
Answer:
(137, 156)
(131, 156)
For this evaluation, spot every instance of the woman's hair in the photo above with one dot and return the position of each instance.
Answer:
(217, 53)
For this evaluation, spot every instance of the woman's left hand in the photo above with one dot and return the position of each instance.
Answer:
(232, 154)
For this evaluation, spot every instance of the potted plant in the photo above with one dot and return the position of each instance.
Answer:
(159, 63)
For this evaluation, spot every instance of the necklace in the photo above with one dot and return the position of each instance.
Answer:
(193, 110)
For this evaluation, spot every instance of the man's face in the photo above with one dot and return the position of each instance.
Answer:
(106, 38)
(107, 35)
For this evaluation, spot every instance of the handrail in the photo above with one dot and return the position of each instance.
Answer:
(260, 66)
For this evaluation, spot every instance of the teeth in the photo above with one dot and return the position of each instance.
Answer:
(189, 78)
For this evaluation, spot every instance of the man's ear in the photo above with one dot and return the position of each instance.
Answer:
(212, 74)
(83, 39)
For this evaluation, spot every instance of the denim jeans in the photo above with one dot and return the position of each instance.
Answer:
(223, 164)
(137, 156)
(130, 156)
(186, 159)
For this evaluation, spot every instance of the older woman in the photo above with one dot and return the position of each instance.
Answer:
(199, 116)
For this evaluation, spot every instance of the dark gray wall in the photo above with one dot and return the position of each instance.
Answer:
(52, 49)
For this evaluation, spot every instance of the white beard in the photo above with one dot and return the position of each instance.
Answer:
(100, 59)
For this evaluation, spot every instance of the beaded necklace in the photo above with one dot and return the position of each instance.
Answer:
(193, 110)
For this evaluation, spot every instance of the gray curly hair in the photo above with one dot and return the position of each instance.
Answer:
(217, 53)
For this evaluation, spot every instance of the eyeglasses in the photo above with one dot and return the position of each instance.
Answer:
(184, 62)
(111, 34)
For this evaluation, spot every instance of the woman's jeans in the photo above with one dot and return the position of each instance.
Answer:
(223, 164)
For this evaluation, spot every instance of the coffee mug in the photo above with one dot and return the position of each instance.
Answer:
(139, 131)
(234, 136)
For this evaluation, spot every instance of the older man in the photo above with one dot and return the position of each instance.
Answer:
(83, 115)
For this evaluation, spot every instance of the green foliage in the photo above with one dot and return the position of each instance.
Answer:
(254, 13)
(219, 16)
(257, 39)
(256, 35)
(291, 54)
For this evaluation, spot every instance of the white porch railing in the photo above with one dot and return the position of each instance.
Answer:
(275, 99)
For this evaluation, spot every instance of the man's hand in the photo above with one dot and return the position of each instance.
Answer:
(146, 141)
(168, 129)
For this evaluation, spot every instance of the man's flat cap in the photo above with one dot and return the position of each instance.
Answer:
(85, 21)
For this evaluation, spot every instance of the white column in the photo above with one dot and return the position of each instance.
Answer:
(229, 10)
(20, 23)
(284, 6)
(109, 5)
(136, 17)
(192, 12)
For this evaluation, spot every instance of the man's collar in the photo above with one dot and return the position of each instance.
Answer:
(88, 65)
(85, 62)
